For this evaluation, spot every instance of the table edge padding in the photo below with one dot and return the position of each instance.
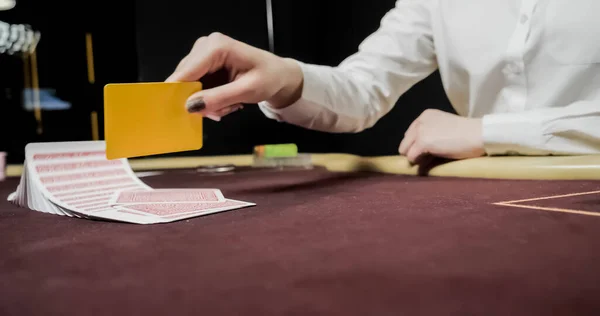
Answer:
(514, 167)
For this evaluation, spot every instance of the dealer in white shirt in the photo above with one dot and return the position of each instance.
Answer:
(523, 76)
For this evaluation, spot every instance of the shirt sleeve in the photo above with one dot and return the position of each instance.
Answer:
(354, 95)
(568, 130)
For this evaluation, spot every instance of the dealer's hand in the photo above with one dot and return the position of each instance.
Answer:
(441, 134)
(253, 75)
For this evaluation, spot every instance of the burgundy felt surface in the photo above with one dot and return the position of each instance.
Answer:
(316, 243)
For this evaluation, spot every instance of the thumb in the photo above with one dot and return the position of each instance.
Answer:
(243, 90)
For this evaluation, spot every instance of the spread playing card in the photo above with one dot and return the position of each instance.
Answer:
(75, 179)
(166, 212)
(167, 195)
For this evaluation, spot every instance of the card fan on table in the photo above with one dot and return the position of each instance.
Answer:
(143, 119)
(76, 179)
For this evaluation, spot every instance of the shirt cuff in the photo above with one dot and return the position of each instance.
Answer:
(512, 134)
(303, 111)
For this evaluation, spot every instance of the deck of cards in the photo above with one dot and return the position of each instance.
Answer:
(75, 179)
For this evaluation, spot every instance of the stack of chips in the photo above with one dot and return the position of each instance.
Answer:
(276, 151)
(280, 156)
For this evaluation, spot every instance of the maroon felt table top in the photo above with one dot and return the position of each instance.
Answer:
(317, 243)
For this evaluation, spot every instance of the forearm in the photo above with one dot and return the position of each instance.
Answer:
(569, 130)
(332, 99)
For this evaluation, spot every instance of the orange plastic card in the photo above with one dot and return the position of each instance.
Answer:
(150, 118)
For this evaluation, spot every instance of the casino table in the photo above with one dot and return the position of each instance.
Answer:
(349, 236)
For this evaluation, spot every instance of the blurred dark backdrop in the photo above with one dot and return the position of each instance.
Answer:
(143, 40)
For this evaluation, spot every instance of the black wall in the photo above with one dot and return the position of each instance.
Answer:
(144, 40)
(62, 66)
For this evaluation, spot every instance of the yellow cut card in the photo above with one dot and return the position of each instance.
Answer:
(150, 118)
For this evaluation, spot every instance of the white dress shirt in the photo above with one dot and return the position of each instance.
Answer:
(529, 68)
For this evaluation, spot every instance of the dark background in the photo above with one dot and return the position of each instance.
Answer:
(144, 40)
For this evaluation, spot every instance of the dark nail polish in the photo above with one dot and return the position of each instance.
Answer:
(195, 105)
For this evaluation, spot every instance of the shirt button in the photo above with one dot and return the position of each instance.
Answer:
(524, 19)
